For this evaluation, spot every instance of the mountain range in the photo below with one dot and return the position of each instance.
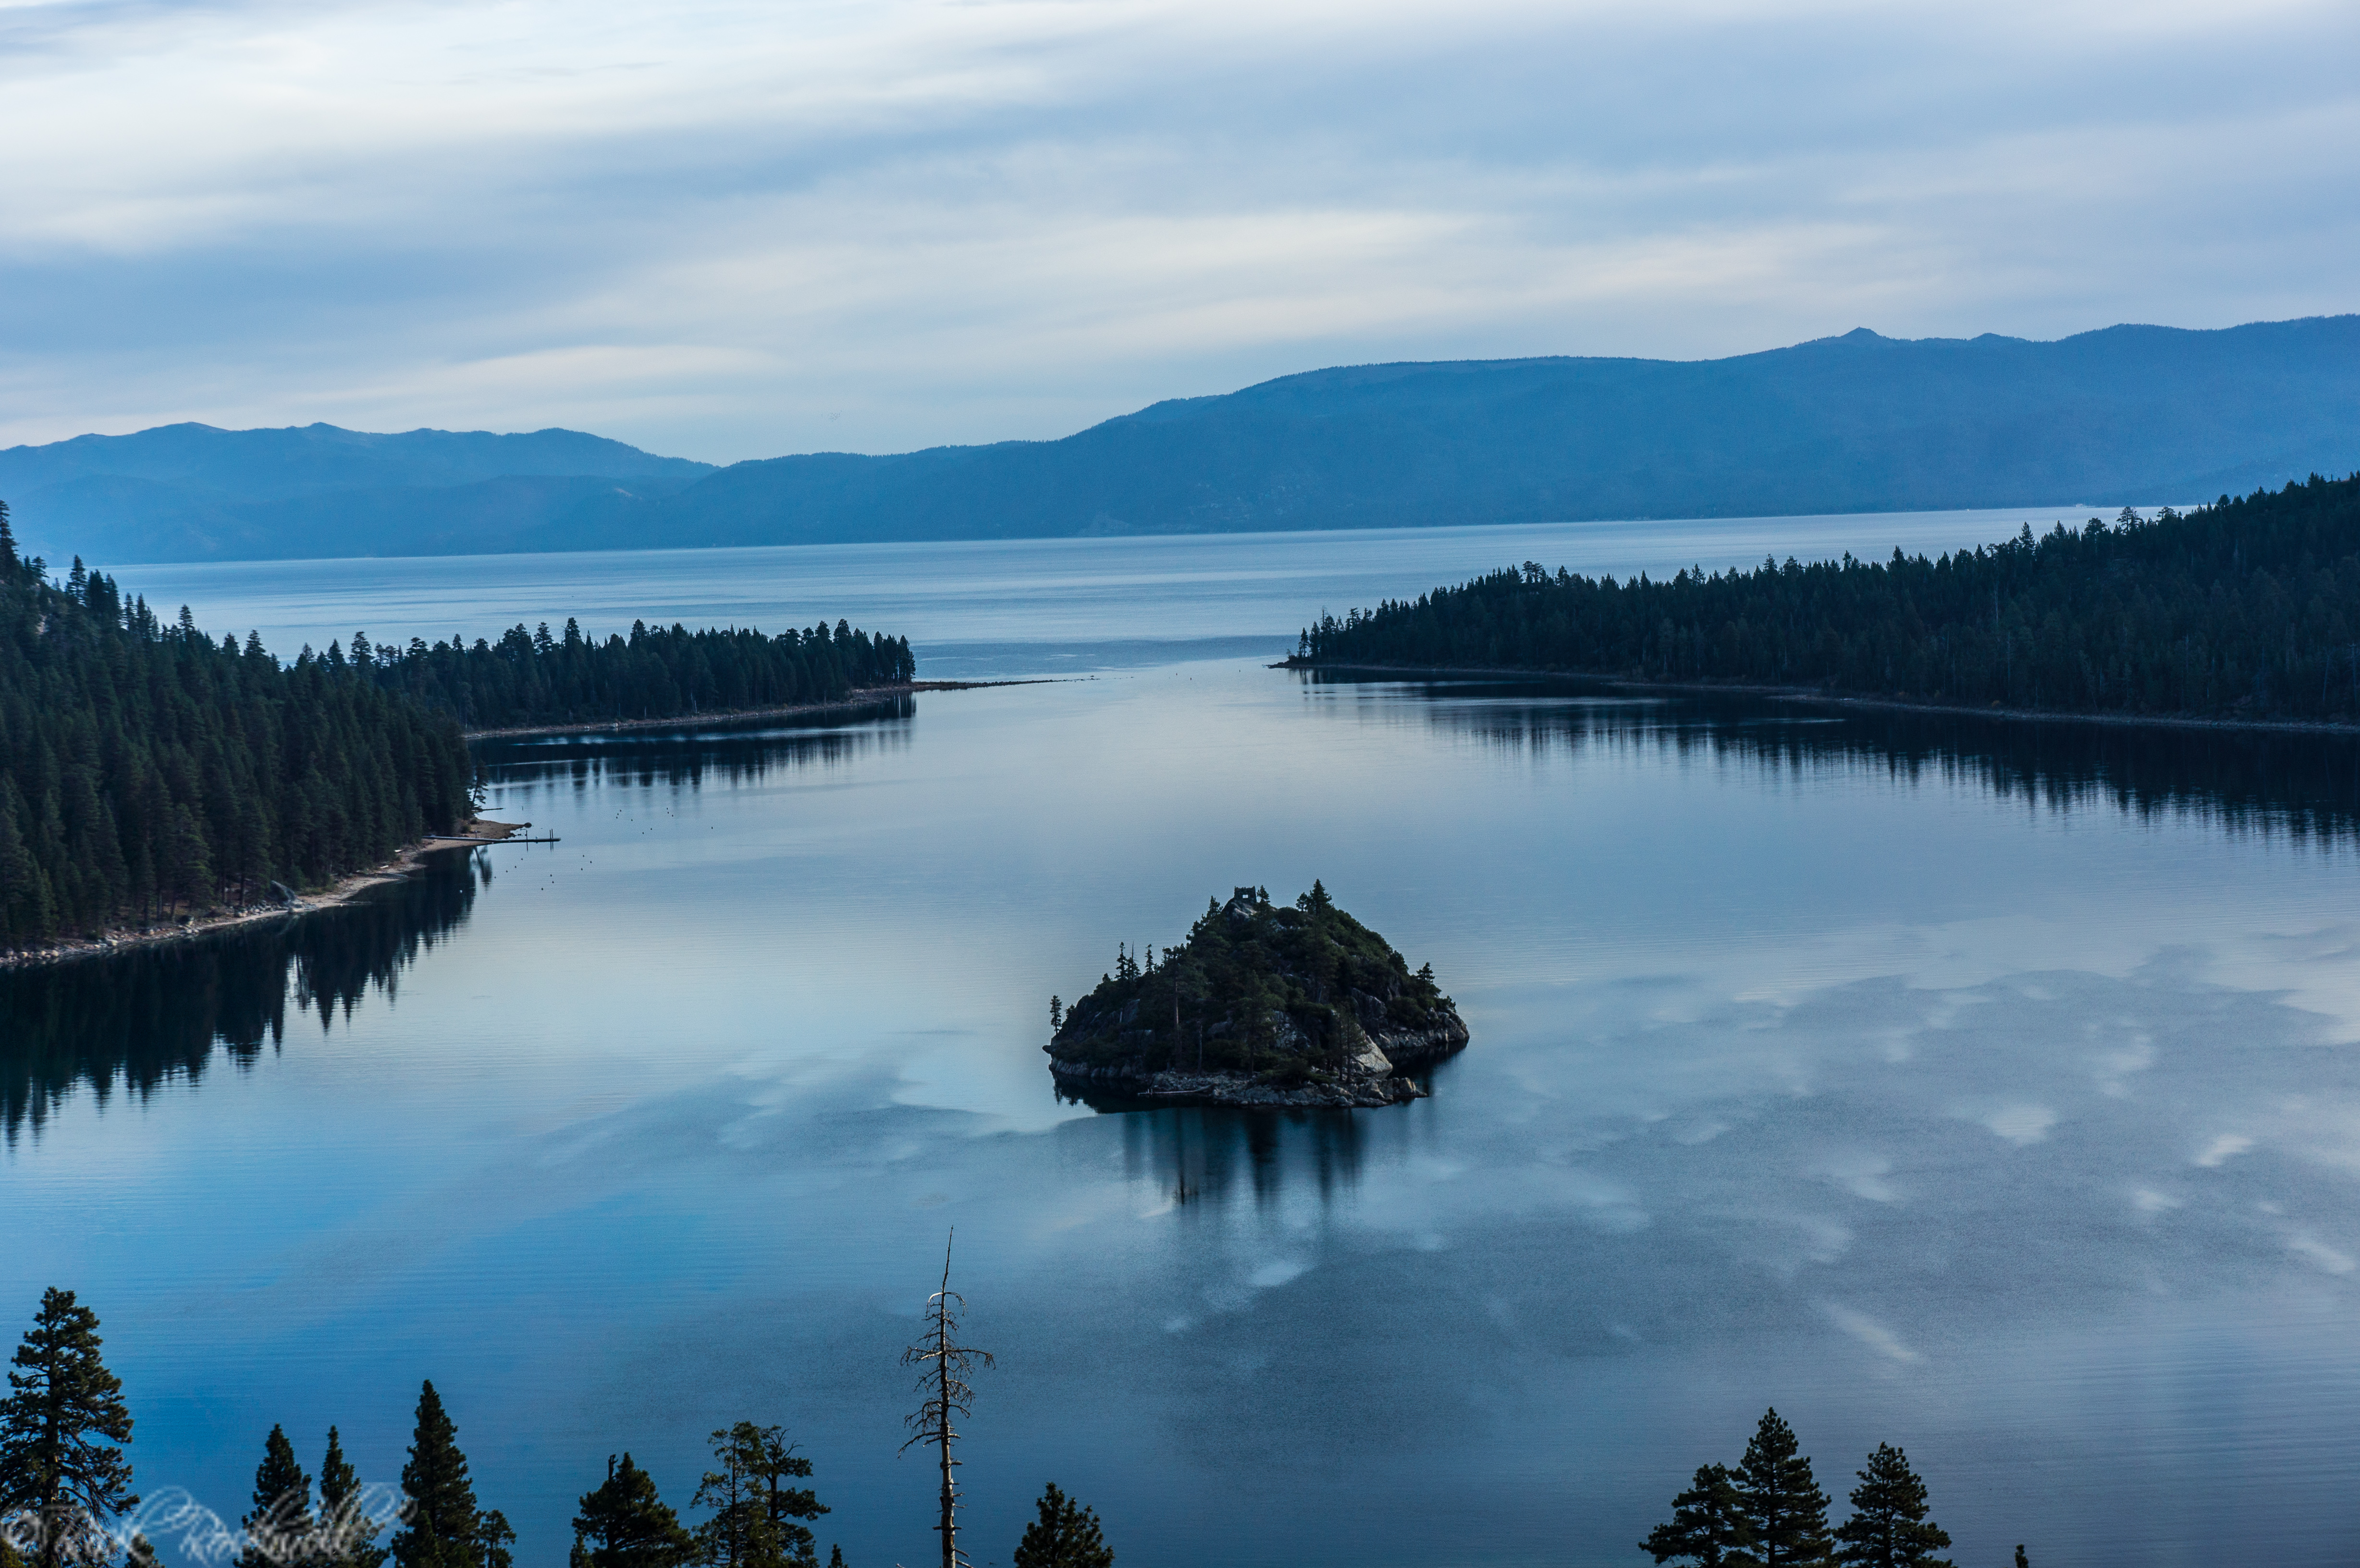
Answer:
(1860, 422)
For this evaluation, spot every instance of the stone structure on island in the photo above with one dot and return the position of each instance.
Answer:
(1265, 1004)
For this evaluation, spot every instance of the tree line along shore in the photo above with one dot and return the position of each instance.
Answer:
(2243, 610)
(66, 1497)
(150, 773)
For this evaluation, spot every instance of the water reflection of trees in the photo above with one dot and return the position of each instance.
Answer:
(139, 1019)
(1205, 1153)
(2304, 785)
(738, 752)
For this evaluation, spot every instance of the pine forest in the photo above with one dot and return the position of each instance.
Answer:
(146, 771)
(2247, 609)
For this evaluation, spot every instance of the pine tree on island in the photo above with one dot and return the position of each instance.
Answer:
(624, 1524)
(1709, 1526)
(1888, 1528)
(59, 1430)
(445, 1528)
(1065, 1536)
(1784, 1510)
(350, 1533)
(276, 1529)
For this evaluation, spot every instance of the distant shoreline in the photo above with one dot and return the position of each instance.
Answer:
(1837, 700)
(335, 896)
(860, 697)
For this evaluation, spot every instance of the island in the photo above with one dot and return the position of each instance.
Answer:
(1266, 1004)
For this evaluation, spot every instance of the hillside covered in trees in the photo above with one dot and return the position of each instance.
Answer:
(145, 769)
(533, 678)
(2244, 609)
(1262, 1005)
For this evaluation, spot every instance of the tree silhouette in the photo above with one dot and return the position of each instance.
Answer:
(624, 1524)
(59, 1430)
(1785, 1510)
(1888, 1528)
(1064, 1536)
(1708, 1524)
(944, 1365)
(278, 1529)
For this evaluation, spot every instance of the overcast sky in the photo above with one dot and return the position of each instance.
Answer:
(727, 230)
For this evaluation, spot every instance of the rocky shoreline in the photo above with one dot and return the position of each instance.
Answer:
(69, 949)
(1374, 1078)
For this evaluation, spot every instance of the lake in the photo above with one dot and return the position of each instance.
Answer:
(1987, 1089)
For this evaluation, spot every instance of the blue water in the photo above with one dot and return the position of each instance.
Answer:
(1991, 1090)
(1004, 606)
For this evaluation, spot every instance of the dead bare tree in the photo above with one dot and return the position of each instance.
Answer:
(944, 1365)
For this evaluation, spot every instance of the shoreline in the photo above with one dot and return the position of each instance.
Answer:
(336, 895)
(1838, 700)
(860, 697)
(482, 831)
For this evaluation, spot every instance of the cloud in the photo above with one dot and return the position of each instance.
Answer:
(884, 224)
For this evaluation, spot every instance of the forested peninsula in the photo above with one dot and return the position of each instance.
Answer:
(2248, 609)
(150, 773)
(1263, 1005)
(535, 679)
(146, 771)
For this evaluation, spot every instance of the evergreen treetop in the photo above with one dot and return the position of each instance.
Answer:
(277, 1528)
(624, 1524)
(1709, 1526)
(758, 1519)
(1888, 1528)
(1065, 1535)
(59, 1429)
(444, 1528)
(347, 1528)
(1786, 1512)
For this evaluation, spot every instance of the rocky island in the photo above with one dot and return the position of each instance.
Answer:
(1264, 1005)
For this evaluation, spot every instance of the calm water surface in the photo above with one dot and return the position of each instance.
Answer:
(1004, 606)
(1987, 1090)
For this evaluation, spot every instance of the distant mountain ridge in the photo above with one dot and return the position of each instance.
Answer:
(189, 491)
(1852, 423)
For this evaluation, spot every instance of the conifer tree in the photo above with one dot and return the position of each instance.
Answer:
(58, 1428)
(1064, 1536)
(278, 1529)
(758, 1519)
(1709, 1526)
(2021, 1559)
(1888, 1528)
(349, 1532)
(835, 1556)
(445, 1528)
(1785, 1510)
(624, 1524)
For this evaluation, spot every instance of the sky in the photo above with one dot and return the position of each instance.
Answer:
(726, 231)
